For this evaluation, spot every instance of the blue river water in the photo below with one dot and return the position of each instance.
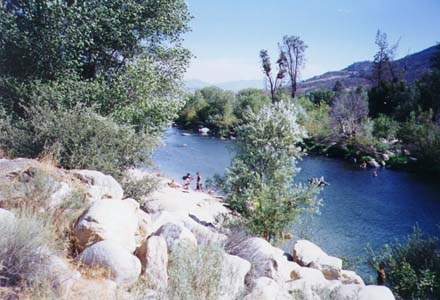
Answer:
(359, 210)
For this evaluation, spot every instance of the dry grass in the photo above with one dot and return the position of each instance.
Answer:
(194, 274)
(25, 246)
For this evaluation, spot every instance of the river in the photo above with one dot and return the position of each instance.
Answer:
(358, 209)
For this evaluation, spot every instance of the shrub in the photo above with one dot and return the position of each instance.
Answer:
(138, 189)
(348, 113)
(78, 137)
(259, 182)
(385, 127)
(422, 137)
(412, 267)
(316, 119)
(25, 243)
(195, 273)
(211, 107)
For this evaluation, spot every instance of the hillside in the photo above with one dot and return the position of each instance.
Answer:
(411, 68)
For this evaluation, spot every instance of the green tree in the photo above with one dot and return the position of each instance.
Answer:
(293, 48)
(45, 39)
(249, 99)
(429, 88)
(259, 183)
(211, 107)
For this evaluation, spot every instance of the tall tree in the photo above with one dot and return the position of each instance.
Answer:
(383, 68)
(293, 48)
(274, 83)
(259, 184)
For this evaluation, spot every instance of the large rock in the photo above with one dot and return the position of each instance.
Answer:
(203, 234)
(153, 255)
(6, 216)
(62, 276)
(175, 234)
(267, 289)
(346, 292)
(308, 254)
(234, 271)
(373, 292)
(109, 219)
(266, 260)
(99, 186)
(123, 267)
(350, 277)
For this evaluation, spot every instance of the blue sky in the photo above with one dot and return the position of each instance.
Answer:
(227, 35)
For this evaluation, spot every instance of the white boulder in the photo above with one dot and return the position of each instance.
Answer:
(153, 255)
(266, 260)
(123, 267)
(109, 219)
(175, 234)
(99, 186)
(267, 289)
(308, 254)
(6, 216)
(234, 271)
(375, 292)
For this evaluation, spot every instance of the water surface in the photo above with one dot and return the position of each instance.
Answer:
(359, 209)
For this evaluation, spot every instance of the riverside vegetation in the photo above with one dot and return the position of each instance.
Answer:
(88, 87)
(392, 123)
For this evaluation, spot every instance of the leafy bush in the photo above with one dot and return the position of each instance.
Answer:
(422, 137)
(211, 107)
(138, 189)
(412, 267)
(385, 127)
(249, 99)
(316, 120)
(195, 273)
(259, 182)
(78, 137)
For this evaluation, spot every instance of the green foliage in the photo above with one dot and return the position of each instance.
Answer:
(413, 267)
(389, 98)
(385, 127)
(85, 37)
(95, 82)
(422, 136)
(259, 182)
(211, 107)
(78, 137)
(316, 120)
(140, 188)
(319, 97)
(249, 99)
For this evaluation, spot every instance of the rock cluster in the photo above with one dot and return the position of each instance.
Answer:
(116, 235)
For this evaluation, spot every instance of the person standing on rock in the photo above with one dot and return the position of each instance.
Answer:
(198, 182)
(186, 181)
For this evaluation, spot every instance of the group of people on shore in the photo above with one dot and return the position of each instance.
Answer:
(187, 179)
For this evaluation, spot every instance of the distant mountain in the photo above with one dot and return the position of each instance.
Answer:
(412, 67)
(235, 86)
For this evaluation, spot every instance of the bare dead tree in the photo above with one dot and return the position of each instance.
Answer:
(274, 83)
(293, 48)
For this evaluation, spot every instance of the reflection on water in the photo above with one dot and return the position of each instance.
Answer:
(359, 209)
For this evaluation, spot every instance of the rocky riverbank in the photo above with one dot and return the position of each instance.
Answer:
(123, 244)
